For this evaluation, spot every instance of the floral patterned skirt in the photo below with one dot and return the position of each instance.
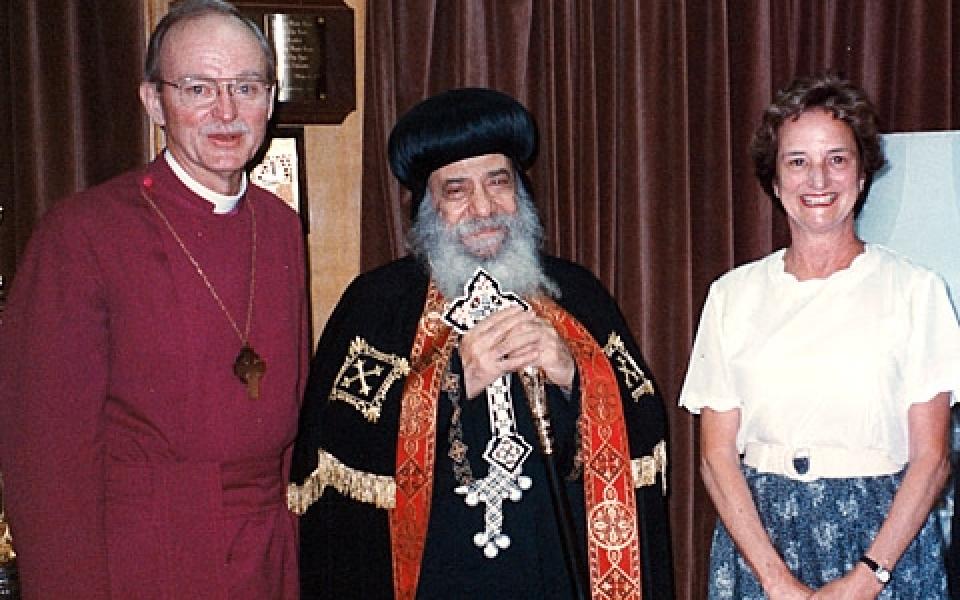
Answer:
(821, 529)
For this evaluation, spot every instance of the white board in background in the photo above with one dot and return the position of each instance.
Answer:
(914, 204)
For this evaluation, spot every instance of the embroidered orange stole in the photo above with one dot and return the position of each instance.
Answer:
(613, 549)
(416, 445)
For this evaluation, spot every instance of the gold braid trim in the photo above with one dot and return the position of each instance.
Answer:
(379, 490)
(645, 468)
(7, 553)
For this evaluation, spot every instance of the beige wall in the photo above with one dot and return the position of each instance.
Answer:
(333, 157)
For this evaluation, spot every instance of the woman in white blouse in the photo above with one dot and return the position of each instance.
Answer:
(823, 375)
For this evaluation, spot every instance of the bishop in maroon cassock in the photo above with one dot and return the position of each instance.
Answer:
(154, 350)
(136, 463)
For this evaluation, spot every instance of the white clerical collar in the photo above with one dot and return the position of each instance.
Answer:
(221, 203)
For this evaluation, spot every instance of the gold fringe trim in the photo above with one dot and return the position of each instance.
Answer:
(379, 490)
(645, 468)
(7, 553)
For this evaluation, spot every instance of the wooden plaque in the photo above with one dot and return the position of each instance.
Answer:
(316, 66)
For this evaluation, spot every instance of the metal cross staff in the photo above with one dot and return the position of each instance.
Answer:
(507, 449)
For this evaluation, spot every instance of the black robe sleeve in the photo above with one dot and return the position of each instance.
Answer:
(345, 544)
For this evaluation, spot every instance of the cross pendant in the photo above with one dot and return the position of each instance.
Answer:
(249, 368)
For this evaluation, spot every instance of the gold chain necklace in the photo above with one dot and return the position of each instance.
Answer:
(248, 366)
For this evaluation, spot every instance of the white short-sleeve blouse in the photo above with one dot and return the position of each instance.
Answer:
(825, 362)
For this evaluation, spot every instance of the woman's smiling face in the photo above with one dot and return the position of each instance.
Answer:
(818, 176)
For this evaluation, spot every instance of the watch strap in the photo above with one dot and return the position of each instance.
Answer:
(881, 573)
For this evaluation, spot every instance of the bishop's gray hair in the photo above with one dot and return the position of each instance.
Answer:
(188, 10)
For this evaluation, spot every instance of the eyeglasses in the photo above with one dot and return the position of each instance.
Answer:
(203, 92)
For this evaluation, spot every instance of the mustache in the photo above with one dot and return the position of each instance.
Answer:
(225, 128)
(476, 224)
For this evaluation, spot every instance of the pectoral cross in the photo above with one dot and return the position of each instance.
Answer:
(249, 368)
(506, 450)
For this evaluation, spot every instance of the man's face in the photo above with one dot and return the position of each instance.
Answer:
(469, 192)
(213, 143)
(446, 241)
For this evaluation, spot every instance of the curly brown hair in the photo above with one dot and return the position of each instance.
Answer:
(829, 92)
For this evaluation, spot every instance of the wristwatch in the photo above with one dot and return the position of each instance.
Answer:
(882, 574)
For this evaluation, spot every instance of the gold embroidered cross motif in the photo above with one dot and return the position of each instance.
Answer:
(361, 376)
(633, 376)
(366, 376)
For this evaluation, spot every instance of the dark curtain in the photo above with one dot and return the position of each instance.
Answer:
(645, 110)
(7, 246)
(70, 115)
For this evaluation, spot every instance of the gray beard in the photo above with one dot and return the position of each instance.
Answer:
(516, 264)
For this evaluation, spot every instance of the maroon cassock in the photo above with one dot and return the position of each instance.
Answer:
(135, 463)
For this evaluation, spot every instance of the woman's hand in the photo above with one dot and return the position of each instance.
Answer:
(720, 466)
(789, 589)
(858, 584)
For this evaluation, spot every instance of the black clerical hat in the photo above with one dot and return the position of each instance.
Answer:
(455, 125)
